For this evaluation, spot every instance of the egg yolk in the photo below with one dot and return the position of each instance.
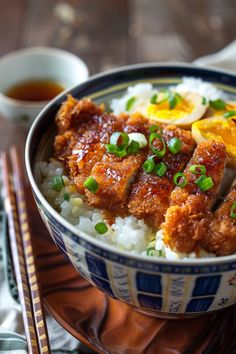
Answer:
(221, 129)
(162, 110)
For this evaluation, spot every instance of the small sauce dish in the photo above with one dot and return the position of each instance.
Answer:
(35, 69)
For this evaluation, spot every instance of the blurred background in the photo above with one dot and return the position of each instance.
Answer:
(109, 33)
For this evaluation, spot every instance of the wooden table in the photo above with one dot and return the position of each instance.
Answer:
(109, 33)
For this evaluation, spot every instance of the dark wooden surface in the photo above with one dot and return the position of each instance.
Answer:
(108, 33)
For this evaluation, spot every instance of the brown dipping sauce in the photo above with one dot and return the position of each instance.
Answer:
(35, 90)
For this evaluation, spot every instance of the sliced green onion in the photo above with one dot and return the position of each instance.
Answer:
(133, 147)
(175, 145)
(160, 169)
(165, 97)
(159, 153)
(160, 253)
(139, 138)
(172, 100)
(149, 165)
(204, 183)
(233, 211)
(101, 228)
(91, 184)
(153, 99)
(67, 197)
(180, 179)
(119, 139)
(119, 151)
(198, 169)
(111, 148)
(151, 251)
(204, 101)
(155, 128)
(230, 114)
(130, 103)
(218, 104)
(57, 183)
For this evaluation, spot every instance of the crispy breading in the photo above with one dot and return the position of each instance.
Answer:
(82, 145)
(149, 197)
(73, 112)
(72, 120)
(114, 178)
(221, 236)
(186, 220)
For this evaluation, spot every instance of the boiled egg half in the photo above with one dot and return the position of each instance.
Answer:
(172, 108)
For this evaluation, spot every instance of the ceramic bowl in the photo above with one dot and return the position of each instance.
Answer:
(36, 63)
(165, 288)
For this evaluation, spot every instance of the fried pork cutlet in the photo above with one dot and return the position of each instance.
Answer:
(72, 122)
(114, 179)
(149, 197)
(83, 131)
(187, 217)
(221, 236)
(115, 175)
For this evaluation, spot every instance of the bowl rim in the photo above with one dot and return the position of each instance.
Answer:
(86, 237)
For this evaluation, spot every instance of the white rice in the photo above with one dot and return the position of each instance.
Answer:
(127, 233)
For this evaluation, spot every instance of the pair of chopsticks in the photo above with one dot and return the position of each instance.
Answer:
(22, 252)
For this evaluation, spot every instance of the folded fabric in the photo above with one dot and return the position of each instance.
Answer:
(225, 58)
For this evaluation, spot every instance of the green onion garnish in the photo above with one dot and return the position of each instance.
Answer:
(119, 139)
(101, 228)
(230, 114)
(175, 145)
(130, 103)
(154, 136)
(172, 100)
(198, 169)
(133, 147)
(160, 169)
(204, 101)
(180, 179)
(204, 183)
(233, 211)
(153, 99)
(151, 251)
(91, 184)
(67, 197)
(218, 104)
(155, 128)
(57, 183)
(165, 96)
(119, 151)
(149, 165)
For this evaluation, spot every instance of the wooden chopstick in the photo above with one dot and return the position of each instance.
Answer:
(23, 257)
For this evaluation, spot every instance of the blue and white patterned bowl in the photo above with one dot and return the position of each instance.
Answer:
(165, 288)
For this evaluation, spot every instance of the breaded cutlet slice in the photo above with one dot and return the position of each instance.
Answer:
(83, 129)
(115, 175)
(73, 119)
(221, 236)
(149, 196)
(114, 178)
(187, 217)
(90, 147)
(73, 112)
